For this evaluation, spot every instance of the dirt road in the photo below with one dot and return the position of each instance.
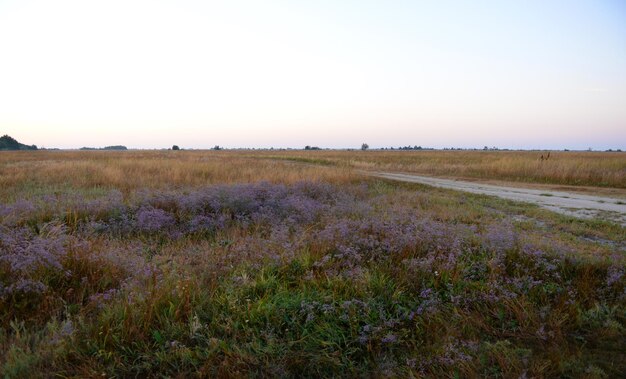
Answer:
(572, 204)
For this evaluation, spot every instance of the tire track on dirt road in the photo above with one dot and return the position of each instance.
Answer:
(572, 204)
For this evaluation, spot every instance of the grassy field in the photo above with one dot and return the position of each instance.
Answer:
(598, 169)
(230, 264)
(24, 175)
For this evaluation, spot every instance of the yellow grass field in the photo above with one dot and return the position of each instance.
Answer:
(25, 174)
(600, 169)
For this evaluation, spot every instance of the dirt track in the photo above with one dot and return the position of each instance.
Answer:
(572, 204)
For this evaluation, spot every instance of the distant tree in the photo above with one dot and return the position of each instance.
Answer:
(116, 147)
(175, 147)
(217, 147)
(365, 147)
(307, 147)
(10, 143)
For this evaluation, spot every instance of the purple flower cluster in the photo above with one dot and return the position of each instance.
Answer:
(346, 231)
(25, 254)
(500, 237)
(19, 210)
(153, 220)
(352, 242)
(614, 275)
(49, 207)
(212, 209)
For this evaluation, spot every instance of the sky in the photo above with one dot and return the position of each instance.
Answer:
(546, 74)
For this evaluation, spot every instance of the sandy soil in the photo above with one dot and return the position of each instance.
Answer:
(570, 203)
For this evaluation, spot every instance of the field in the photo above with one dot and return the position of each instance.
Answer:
(24, 175)
(291, 264)
(598, 169)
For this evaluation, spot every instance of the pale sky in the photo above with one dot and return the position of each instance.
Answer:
(330, 73)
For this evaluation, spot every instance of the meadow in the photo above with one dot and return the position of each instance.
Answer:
(93, 173)
(291, 264)
(596, 169)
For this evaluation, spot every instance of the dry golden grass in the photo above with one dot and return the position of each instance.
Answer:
(24, 174)
(600, 169)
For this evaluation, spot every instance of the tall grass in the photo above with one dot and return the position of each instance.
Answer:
(598, 169)
(25, 175)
